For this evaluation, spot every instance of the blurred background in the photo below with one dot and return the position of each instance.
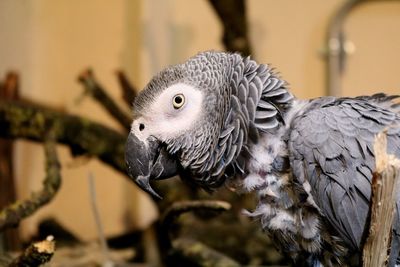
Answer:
(50, 42)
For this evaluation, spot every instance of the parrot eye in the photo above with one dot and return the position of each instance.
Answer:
(178, 101)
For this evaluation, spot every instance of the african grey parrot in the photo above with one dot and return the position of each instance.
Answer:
(221, 117)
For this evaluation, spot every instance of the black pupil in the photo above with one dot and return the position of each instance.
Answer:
(178, 99)
(141, 127)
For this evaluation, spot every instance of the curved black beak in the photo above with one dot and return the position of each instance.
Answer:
(148, 160)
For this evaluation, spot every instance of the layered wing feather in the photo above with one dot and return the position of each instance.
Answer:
(331, 147)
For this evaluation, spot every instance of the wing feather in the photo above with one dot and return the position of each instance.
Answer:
(331, 147)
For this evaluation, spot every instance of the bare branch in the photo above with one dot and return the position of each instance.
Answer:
(181, 207)
(9, 89)
(129, 92)
(36, 254)
(23, 120)
(93, 88)
(232, 14)
(384, 186)
(198, 254)
(13, 214)
(178, 208)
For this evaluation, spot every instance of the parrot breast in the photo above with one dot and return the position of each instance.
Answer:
(286, 208)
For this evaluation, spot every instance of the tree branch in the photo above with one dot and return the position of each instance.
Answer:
(129, 92)
(384, 190)
(93, 88)
(195, 253)
(23, 120)
(13, 214)
(178, 208)
(232, 14)
(9, 89)
(36, 254)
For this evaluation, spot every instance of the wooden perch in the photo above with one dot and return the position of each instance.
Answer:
(129, 92)
(23, 120)
(385, 181)
(232, 14)
(13, 214)
(36, 254)
(93, 88)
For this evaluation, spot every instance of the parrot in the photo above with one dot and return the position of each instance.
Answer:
(222, 118)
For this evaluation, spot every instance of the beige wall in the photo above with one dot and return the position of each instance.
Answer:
(50, 42)
(375, 65)
(290, 35)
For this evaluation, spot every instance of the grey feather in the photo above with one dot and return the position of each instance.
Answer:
(251, 109)
(226, 131)
(266, 125)
(262, 114)
(265, 104)
(344, 159)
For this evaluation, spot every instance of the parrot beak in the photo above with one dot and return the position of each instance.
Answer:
(148, 160)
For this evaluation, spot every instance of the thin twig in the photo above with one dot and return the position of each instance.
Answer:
(13, 214)
(94, 89)
(99, 225)
(36, 254)
(384, 190)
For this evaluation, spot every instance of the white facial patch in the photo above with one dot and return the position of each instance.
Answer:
(163, 120)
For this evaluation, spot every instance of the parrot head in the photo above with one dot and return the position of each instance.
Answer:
(193, 118)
